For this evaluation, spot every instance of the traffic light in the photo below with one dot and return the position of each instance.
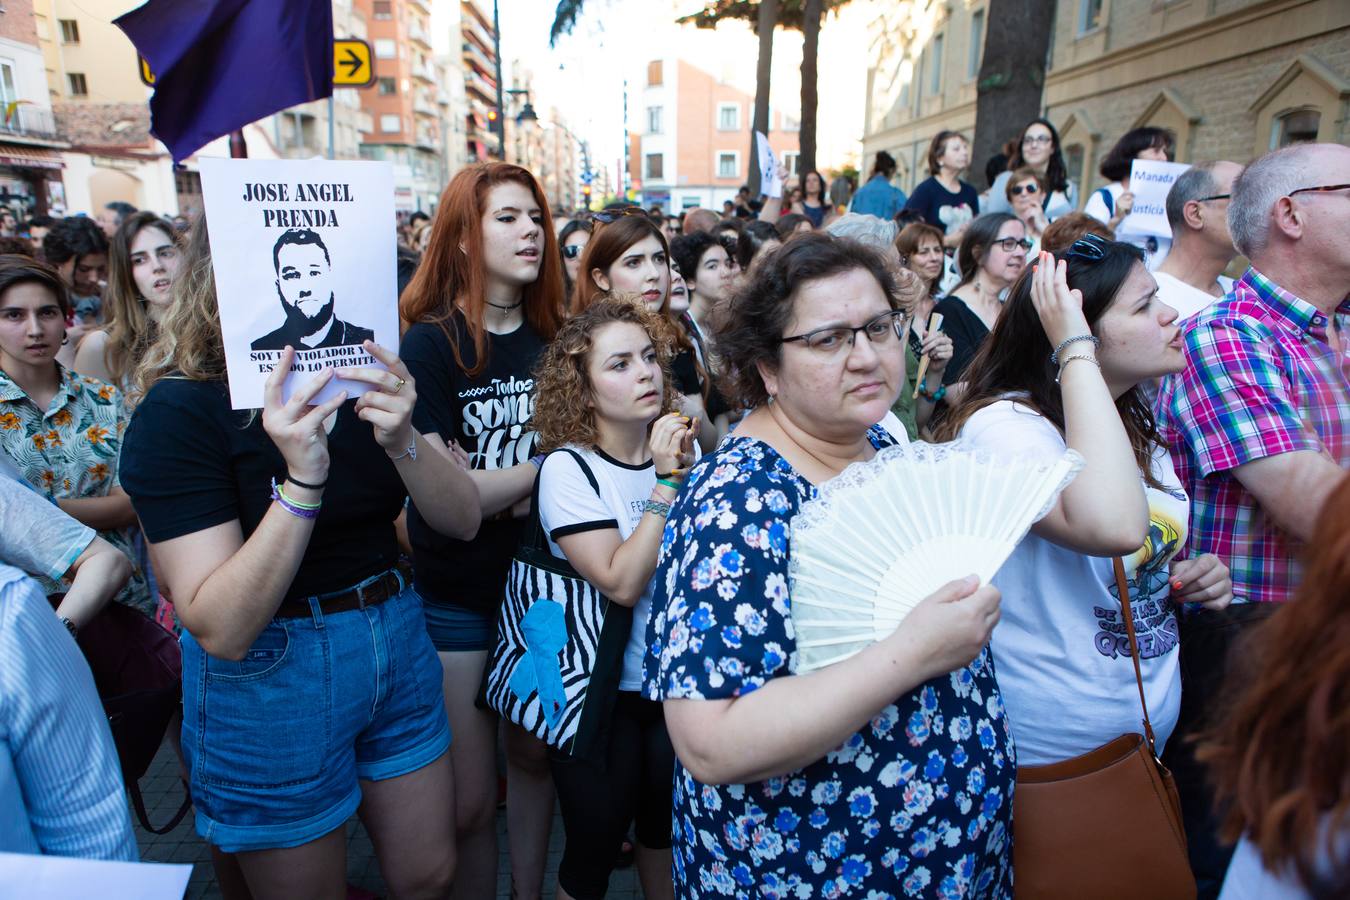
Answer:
(493, 115)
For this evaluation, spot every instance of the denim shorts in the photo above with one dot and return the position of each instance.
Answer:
(455, 629)
(277, 742)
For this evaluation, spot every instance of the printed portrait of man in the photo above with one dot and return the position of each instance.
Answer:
(304, 283)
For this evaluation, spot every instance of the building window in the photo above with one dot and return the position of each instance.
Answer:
(391, 123)
(654, 120)
(75, 81)
(656, 165)
(383, 9)
(790, 163)
(1089, 15)
(1297, 127)
(791, 122)
(976, 44)
(7, 93)
(935, 65)
(70, 31)
(654, 73)
(388, 86)
(728, 117)
(728, 164)
(386, 48)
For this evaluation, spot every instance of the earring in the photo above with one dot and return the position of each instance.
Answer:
(65, 338)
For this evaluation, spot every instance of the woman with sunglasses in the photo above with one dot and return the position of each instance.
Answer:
(1038, 149)
(1063, 370)
(485, 301)
(943, 199)
(571, 242)
(991, 256)
(1111, 204)
(1026, 189)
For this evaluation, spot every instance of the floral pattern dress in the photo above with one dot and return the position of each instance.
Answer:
(918, 803)
(69, 451)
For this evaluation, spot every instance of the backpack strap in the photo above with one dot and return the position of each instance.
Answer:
(1110, 201)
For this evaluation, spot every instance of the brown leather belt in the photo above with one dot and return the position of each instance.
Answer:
(381, 589)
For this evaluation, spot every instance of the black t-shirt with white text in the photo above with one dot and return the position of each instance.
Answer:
(488, 414)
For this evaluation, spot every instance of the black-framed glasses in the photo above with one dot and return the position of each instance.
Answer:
(1320, 189)
(1091, 247)
(572, 251)
(836, 339)
(1029, 188)
(1010, 244)
(1215, 197)
(610, 216)
(1038, 139)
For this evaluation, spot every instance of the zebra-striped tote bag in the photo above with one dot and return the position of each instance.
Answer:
(558, 656)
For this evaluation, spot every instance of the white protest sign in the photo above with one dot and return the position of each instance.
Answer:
(69, 878)
(1149, 182)
(304, 255)
(769, 183)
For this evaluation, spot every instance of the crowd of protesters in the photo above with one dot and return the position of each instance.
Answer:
(656, 396)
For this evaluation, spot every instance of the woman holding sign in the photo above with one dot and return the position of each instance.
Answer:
(1113, 203)
(485, 300)
(310, 689)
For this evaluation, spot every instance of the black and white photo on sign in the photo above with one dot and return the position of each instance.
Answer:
(303, 257)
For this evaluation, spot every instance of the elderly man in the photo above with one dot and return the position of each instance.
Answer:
(1190, 278)
(1259, 426)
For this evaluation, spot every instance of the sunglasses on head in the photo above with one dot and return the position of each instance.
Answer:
(572, 251)
(1029, 188)
(609, 216)
(1091, 247)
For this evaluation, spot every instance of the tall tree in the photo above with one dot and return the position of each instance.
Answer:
(765, 23)
(812, 10)
(1012, 72)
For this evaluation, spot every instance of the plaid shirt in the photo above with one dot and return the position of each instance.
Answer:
(1260, 380)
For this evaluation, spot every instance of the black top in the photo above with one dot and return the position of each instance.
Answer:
(189, 462)
(340, 334)
(967, 331)
(685, 372)
(488, 415)
(930, 198)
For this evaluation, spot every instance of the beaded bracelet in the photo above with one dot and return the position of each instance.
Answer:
(932, 396)
(655, 506)
(294, 507)
(1054, 357)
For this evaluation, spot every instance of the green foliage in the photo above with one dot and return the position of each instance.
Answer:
(716, 11)
(565, 19)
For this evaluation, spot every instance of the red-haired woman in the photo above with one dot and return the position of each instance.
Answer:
(485, 300)
(1280, 757)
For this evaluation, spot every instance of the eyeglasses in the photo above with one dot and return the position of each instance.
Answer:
(1010, 244)
(609, 216)
(830, 341)
(1030, 188)
(572, 251)
(1215, 197)
(1090, 247)
(1038, 139)
(1321, 189)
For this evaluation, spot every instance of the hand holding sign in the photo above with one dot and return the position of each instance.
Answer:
(1150, 180)
(771, 183)
(389, 406)
(296, 427)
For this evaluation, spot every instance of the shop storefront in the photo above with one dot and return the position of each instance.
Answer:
(30, 180)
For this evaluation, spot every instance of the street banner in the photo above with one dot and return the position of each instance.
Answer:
(1149, 182)
(770, 184)
(304, 256)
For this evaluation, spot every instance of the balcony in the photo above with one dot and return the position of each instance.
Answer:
(423, 5)
(478, 59)
(30, 121)
(424, 71)
(476, 86)
(418, 34)
(470, 9)
(424, 106)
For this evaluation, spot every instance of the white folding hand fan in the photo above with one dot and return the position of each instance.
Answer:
(887, 533)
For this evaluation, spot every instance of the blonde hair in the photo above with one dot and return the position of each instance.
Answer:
(188, 344)
(129, 327)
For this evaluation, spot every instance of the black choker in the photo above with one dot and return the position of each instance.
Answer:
(515, 305)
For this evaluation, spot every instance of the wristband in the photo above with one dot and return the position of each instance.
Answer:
(673, 485)
(538, 460)
(70, 626)
(410, 452)
(1054, 357)
(655, 506)
(303, 511)
(305, 484)
(1068, 359)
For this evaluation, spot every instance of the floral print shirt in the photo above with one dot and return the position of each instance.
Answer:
(69, 451)
(918, 803)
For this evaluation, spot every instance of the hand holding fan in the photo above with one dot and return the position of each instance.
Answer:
(934, 324)
(889, 532)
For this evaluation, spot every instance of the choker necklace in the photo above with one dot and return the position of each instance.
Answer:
(515, 305)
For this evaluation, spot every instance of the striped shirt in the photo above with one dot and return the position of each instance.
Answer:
(1261, 379)
(60, 782)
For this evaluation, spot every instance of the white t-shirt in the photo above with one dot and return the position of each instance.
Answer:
(1060, 650)
(1186, 300)
(1155, 248)
(569, 505)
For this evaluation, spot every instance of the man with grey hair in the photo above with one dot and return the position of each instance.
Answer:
(1258, 423)
(1190, 278)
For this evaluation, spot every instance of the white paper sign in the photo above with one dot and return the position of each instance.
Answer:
(304, 254)
(23, 877)
(1149, 182)
(770, 184)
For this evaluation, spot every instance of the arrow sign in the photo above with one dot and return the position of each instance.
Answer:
(352, 63)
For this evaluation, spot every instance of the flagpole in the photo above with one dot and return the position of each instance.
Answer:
(330, 126)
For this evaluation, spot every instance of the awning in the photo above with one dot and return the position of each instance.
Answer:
(25, 157)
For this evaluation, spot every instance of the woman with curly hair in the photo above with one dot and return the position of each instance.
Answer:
(617, 455)
(485, 300)
(1279, 757)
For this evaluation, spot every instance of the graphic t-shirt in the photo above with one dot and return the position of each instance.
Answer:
(1060, 648)
(488, 414)
(569, 505)
(942, 208)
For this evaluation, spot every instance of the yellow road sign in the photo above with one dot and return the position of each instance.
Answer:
(353, 63)
(147, 77)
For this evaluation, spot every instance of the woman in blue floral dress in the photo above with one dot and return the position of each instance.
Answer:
(889, 774)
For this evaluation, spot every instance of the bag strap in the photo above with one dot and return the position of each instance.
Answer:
(139, 803)
(1108, 200)
(1124, 588)
(534, 529)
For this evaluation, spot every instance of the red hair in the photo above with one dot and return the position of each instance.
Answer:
(448, 279)
(1280, 756)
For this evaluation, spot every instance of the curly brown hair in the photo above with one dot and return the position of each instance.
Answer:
(562, 384)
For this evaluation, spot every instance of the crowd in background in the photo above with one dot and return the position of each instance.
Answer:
(654, 396)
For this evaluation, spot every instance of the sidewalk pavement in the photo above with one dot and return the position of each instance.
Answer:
(163, 793)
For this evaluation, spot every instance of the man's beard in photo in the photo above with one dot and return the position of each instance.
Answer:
(304, 324)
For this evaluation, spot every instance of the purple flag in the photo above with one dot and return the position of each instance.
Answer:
(220, 64)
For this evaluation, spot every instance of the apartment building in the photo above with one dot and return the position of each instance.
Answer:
(1233, 78)
(31, 179)
(478, 54)
(691, 143)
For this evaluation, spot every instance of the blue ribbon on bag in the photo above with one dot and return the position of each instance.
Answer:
(545, 631)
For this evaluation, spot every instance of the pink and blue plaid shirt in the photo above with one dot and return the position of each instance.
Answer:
(1260, 379)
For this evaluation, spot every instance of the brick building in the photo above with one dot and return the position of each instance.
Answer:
(30, 157)
(1232, 78)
